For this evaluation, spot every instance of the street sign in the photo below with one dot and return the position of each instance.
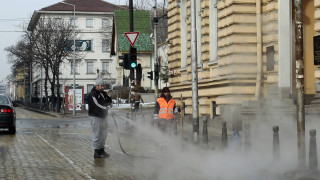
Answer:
(132, 37)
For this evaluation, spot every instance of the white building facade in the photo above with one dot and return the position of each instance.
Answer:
(94, 21)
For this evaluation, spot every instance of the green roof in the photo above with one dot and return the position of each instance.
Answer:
(141, 23)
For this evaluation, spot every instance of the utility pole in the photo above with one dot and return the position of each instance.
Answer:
(300, 83)
(132, 75)
(156, 63)
(195, 104)
(74, 56)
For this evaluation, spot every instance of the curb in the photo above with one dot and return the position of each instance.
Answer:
(53, 114)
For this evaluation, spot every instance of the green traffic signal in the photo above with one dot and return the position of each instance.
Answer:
(133, 57)
(133, 65)
(156, 75)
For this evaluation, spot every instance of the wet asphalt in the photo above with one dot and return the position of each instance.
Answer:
(47, 146)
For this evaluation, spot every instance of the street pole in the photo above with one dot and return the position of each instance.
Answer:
(156, 63)
(74, 56)
(74, 60)
(132, 75)
(195, 104)
(300, 83)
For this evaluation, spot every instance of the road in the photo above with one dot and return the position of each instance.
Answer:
(47, 147)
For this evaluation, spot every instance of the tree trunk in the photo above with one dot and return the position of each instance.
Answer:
(58, 92)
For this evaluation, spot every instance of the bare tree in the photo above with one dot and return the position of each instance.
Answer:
(50, 39)
(20, 57)
(147, 4)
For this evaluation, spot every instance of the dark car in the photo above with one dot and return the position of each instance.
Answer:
(7, 114)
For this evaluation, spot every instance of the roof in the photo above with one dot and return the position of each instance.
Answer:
(80, 6)
(84, 6)
(141, 23)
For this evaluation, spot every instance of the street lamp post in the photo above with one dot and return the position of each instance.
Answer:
(74, 56)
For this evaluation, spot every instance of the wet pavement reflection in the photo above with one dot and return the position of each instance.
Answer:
(47, 147)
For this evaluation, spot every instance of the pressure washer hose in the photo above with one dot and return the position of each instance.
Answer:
(117, 132)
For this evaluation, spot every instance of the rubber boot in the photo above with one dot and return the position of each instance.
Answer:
(103, 153)
(97, 153)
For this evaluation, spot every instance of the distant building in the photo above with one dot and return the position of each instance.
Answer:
(3, 88)
(93, 19)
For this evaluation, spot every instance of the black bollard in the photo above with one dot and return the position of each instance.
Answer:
(205, 130)
(224, 134)
(313, 158)
(247, 136)
(276, 146)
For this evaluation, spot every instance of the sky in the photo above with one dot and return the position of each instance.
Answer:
(13, 13)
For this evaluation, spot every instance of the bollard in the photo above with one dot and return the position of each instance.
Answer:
(205, 130)
(276, 145)
(247, 136)
(313, 158)
(224, 134)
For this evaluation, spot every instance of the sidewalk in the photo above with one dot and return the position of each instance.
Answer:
(56, 114)
(213, 128)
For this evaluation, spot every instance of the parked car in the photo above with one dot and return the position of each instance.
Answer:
(7, 114)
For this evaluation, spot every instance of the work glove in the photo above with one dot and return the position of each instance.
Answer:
(177, 110)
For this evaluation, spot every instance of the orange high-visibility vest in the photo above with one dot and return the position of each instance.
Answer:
(166, 108)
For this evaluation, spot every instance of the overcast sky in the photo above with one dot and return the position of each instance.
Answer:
(13, 13)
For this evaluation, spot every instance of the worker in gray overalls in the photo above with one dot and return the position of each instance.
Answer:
(99, 103)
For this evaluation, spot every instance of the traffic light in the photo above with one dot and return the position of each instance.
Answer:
(133, 57)
(150, 76)
(125, 61)
(156, 75)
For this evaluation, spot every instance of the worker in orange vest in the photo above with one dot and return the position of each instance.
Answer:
(164, 110)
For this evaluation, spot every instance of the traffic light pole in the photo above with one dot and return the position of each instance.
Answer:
(132, 78)
(195, 104)
(156, 63)
(300, 83)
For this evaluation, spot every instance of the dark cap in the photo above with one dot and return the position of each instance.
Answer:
(165, 89)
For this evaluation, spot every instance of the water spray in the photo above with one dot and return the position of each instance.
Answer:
(118, 137)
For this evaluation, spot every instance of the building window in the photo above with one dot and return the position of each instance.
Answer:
(74, 22)
(60, 69)
(57, 20)
(270, 58)
(105, 67)
(105, 45)
(213, 31)
(105, 23)
(76, 67)
(184, 29)
(89, 23)
(90, 68)
(198, 27)
(89, 87)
